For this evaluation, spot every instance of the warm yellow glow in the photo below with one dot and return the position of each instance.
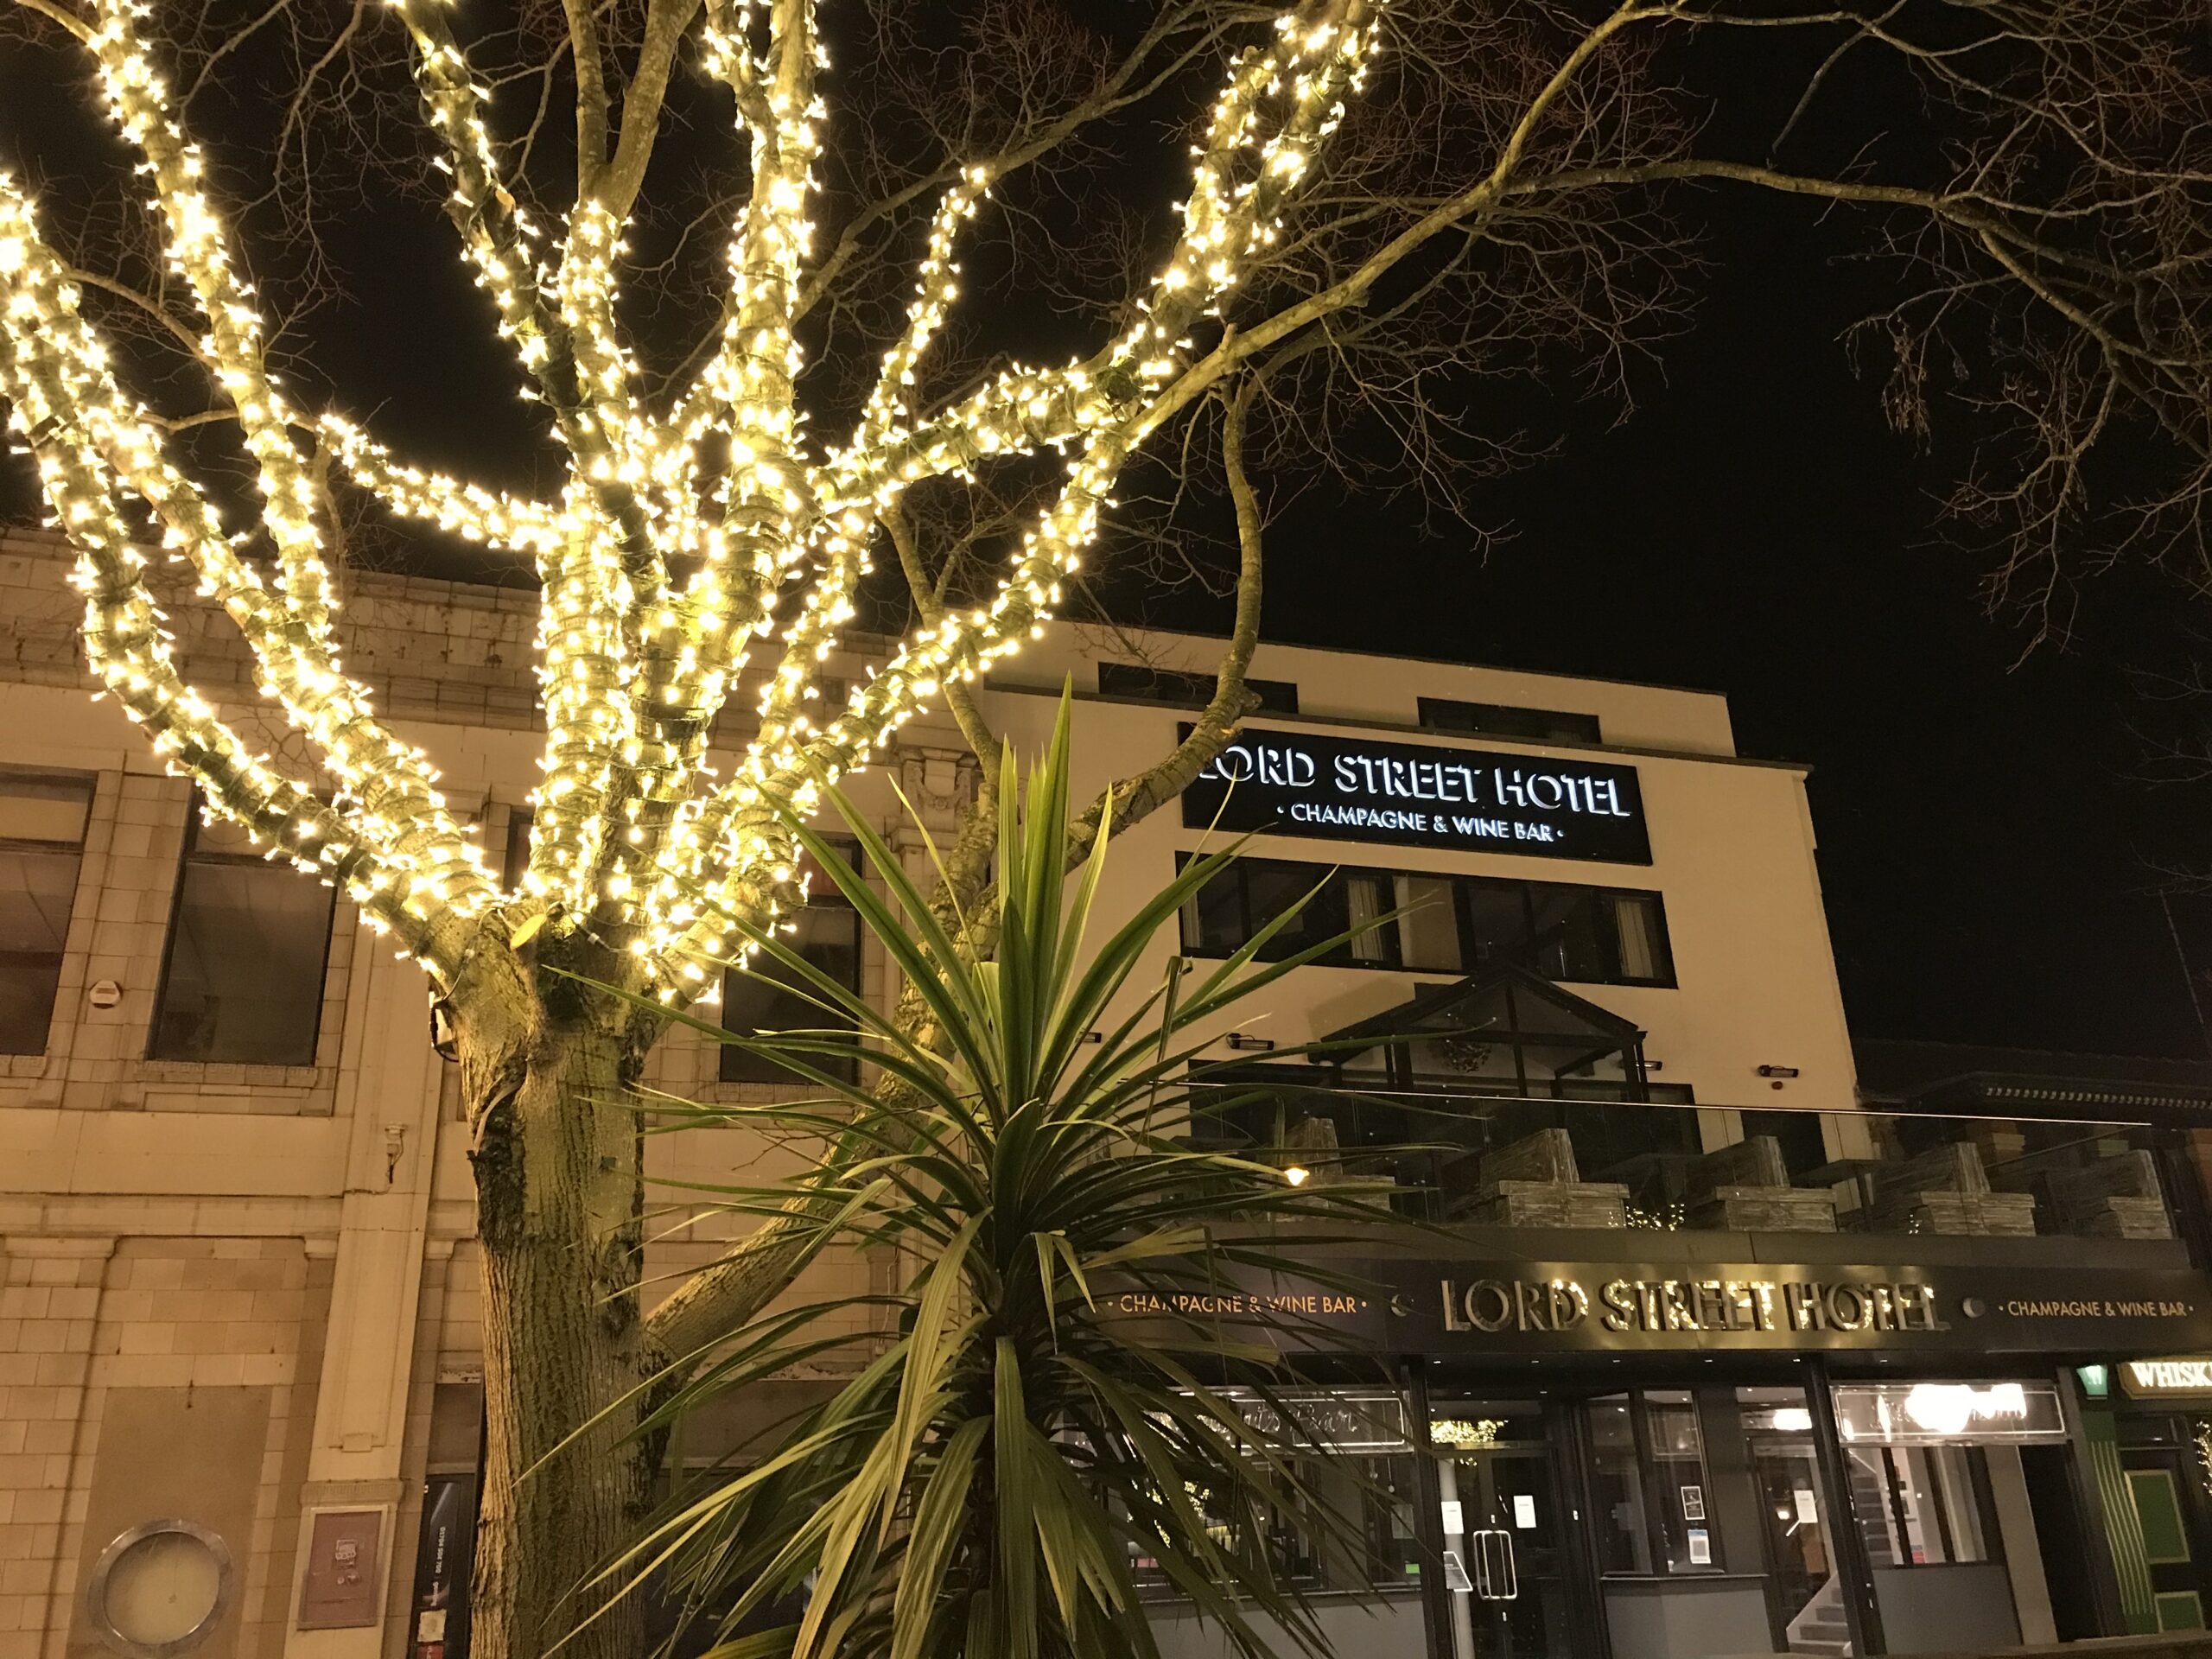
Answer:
(635, 835)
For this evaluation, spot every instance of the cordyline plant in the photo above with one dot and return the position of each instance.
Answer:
(1391, 209)
(1012, 1436)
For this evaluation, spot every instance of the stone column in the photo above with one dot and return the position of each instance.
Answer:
(389, 1088)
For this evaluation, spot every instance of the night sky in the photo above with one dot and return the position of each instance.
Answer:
(1754, 529)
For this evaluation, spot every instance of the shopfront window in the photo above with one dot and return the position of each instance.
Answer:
(1952, 1486)
(1623, 1532)
(1353, 1528)
(1931, 1505)
(1654, 1494)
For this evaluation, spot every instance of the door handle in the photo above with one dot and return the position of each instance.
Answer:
(1497, 1576)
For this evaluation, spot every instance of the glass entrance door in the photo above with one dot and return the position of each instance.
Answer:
(1804, 1585)
(1504, 1530)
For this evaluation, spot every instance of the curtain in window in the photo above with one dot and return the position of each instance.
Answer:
(1366, 900)
(1428, 924)
(1635, 926)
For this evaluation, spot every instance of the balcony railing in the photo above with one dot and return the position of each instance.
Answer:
(1480, 1159)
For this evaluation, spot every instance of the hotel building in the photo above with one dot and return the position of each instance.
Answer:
(1719, 1339)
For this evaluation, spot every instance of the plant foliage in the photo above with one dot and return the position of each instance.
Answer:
(1013, 1436)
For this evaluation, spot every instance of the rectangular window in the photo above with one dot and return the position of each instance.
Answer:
(1650, 1482)
(1502, 720)
(242, 981)
(1932, 1504)
(1617, 1488)
(768, 998)
(1184, 690)
(41, 846)
(1443, 924)
(514, 860)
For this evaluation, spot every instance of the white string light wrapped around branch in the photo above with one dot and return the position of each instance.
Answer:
(635, 841)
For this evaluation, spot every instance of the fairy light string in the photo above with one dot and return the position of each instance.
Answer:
(56, 382)
(636, 838)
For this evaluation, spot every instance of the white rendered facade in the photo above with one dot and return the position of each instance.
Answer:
(252, 1287)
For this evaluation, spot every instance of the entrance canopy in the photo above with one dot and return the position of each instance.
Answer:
(1502, 1031)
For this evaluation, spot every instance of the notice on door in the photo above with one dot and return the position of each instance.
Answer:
(1455, 1517)
(1808, 1508)
(1524, 1511)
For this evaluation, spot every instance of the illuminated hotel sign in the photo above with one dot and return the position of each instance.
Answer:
(1339, 788)
(1497, 1309)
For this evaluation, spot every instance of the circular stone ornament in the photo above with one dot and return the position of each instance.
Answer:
(160, 1589)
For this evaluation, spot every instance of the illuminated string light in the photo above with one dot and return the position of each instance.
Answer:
(635, 837)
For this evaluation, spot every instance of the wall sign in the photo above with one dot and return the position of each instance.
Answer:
(1539, 1307)
(1485, 1308)
(1349, 1419)
(2188, 1377)
(1338, 788)
(342, 1583)
(1936, 1413)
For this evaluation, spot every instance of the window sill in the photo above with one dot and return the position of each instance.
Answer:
(1436, 974)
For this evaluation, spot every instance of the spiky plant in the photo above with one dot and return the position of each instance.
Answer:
(1013, 1436)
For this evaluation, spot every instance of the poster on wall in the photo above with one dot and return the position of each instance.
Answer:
(443, 1556)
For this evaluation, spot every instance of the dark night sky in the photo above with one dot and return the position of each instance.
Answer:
(1754, 529)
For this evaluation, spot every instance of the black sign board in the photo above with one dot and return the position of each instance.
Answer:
(1502, 1309)
(1341, 788)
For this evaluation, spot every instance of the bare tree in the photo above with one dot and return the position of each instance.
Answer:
(1391, 210)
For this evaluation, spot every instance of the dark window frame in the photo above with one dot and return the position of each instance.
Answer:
(1180, 688)
(1465, 885)
(1657, 1487)
(194, 820)
(821, 895)
(89, 782)
(514, 851)
(1509, 721)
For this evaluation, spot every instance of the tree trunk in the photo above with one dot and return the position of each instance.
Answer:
(558, 1197)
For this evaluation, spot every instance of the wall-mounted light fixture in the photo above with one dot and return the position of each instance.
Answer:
(1777, 1070)
(1238, 1040)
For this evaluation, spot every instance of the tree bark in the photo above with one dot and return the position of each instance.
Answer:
(557, 1154)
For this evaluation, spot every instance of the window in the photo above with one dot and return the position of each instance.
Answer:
(242, 983)
(1353, 1528)
(1649, 1480)
(1502, 720)
(1442, 924)
(765, 998)
(1932, 1504)
(1617, 1488)
(514, 859)
(41, 844)
(1185, 689)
